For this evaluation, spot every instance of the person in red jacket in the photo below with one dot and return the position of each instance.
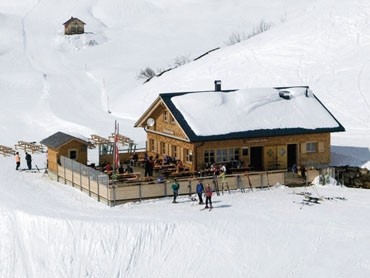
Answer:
(208, 193)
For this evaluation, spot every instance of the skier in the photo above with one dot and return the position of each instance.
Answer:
(175, 188)
(17, 160)
(29, 161)
(200, 190)
(209, 193)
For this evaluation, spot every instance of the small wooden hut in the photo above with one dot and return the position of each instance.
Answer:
(74, 26)
(62, 144)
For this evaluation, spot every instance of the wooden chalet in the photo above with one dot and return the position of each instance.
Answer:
(74, 26)
(266, 128)
(62, 144)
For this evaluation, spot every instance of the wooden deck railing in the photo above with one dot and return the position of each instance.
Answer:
(96, 184)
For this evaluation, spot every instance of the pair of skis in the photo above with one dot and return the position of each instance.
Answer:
(209, 209)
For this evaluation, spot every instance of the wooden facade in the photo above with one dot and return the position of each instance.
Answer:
(167, 134)
(74, 26)
(61, 144)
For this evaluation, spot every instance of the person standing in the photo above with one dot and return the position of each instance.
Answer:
(222, 176)
(17, 160)
(208, 193)
(175, 188)
(223, 168)
(200, 190)
(29, 161)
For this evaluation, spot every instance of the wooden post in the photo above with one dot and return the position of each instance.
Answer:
(88, 178)
(64, 168)
(114, 195)
(80, 176)
(165, 188)
(140, 191)
(97, 182)
(73, 183)
(189, 186)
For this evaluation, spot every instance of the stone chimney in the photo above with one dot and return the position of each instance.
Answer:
(217, 85)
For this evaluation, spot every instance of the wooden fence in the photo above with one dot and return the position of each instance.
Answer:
(96, 184)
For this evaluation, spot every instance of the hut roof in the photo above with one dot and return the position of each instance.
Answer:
(73, 19)
(59, 139)
(247, 113)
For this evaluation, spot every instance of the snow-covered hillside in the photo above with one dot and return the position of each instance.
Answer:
(50, 82)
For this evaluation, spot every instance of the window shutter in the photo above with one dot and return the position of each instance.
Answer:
(321, 147)
(303, 148)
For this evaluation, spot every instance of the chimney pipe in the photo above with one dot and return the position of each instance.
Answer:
(217, 85)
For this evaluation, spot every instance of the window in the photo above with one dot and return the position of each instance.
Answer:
(165, 116)
(172, 120)
(174, 151)
(233, 154)
(311, 147)
(245, 151)
(221, 155)
(209, 156)
(73, 154)
(188, 154)
(163, 148)
(151, 145)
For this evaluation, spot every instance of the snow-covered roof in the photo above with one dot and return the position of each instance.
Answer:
(58, 139)
(258, 112)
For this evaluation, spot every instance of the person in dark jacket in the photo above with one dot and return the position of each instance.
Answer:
(29, 161)
(175, 188)
(200, 190)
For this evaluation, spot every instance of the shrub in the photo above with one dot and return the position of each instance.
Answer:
(146, 73)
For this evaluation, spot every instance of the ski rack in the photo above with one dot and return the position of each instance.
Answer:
(6, 151)
(29, 146)
(98, 140)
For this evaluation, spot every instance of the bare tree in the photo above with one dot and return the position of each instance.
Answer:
(257, 29)
(180, 61)
(146, 73)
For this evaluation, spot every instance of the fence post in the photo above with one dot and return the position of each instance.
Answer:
(140, 192)
(73, 183)
(189, 187)
(97, 182)
(114, 194)
(81, 177)
(88, 177)
(261, 176)
(64, 168)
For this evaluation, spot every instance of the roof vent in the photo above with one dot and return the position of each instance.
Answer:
(217, 85)
(285, 94)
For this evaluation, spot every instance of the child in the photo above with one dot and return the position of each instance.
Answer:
(208, 193)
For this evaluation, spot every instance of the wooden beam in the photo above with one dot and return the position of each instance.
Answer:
(29, 146)
(98, 140)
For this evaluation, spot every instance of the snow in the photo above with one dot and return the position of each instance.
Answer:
(50, 82)
(260, 108)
